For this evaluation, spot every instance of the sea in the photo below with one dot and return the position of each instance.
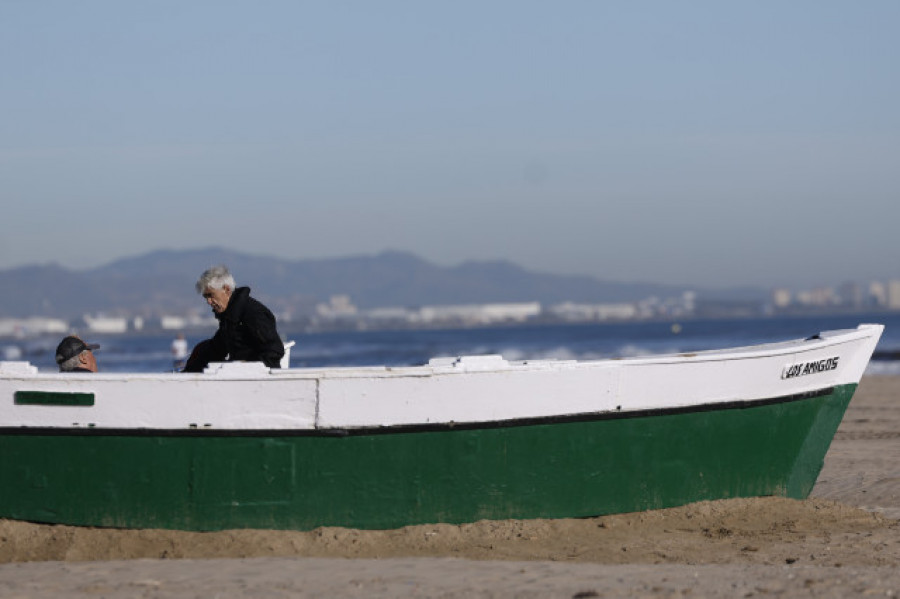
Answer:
(150, 353)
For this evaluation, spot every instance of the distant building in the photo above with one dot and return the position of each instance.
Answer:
(173, 323)
(338, 306)
(389, 314)
(878, 294)
(820, 297)
(782, 298)
(472, 314)
(851, 295)
(587, 312)
(689, 301)
(28, 327)
(170, 322)
(893, 295)
(106, 324)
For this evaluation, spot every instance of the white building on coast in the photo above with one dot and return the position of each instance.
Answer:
(472, 314)
(590, 312)
(29, 327)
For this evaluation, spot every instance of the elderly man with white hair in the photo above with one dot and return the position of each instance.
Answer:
(247, 330)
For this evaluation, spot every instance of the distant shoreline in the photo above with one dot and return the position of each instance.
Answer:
(290, 327)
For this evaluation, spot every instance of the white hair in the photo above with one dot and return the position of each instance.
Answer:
(72, 363)
(216, 277)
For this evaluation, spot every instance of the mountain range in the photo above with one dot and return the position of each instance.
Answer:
(162, 282)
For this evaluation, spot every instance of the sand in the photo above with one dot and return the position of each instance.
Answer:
(844, 540)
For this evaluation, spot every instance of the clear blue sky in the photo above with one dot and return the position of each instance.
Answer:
(709, 143)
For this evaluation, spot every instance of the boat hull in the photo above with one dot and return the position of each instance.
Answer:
(387, 477)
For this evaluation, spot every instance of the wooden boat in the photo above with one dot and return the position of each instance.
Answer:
(456, 440)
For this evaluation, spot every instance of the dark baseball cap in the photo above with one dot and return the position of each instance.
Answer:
(70, 347)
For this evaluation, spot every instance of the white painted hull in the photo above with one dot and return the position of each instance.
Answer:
(476, 389)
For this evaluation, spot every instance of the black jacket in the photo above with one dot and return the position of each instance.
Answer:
(246, 332)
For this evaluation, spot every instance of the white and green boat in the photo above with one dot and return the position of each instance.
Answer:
(456, 440)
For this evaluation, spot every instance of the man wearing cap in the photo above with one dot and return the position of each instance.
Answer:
(74, 355)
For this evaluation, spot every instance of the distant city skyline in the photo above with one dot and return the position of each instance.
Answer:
(703, 143)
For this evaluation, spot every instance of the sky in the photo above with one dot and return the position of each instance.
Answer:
(706, 143)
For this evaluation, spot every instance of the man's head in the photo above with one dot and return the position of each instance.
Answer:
(216, 286)
(74, 354)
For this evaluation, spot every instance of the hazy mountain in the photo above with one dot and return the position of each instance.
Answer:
(163, 282)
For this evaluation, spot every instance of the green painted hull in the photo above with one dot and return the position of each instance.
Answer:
(388, 479)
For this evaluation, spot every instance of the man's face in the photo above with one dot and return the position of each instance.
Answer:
(217, 298)
(88, 361)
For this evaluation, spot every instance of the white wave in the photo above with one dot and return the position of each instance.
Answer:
(556, 353)
(636, 351)
(149, 356)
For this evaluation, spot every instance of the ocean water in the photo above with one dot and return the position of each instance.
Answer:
(150, 353)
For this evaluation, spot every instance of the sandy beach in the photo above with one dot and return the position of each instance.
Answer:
(844, 540)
